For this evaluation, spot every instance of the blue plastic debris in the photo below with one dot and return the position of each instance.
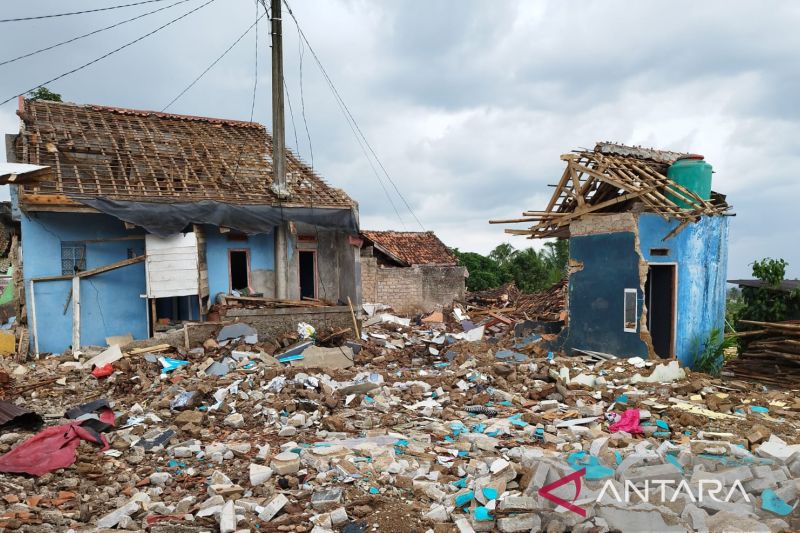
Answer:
(663, 425)
(401, 443)
(493, 433)
(368, 399)
(461, 483)
(490, 493)
(550, 356)
(463, 453)
(373, 490)
(463, 499)
(594, 470)
(617, 456)
(517, 421)
(773, 503)
(169, 364)
(622, 398)
(287, 358)
(479, 428)
(759, 409)
(671, 459)
(482, 514)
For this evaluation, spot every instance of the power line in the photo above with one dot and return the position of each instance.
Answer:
(217, 60)
(348, 114)
(79, 12)
(23, 56)
(301, 53)
(73, 71)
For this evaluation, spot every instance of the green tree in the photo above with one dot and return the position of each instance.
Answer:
(484, 273)
(502, 254)
(43, 93)
(769, 303)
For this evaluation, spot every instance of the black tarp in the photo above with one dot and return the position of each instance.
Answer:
(165, 219)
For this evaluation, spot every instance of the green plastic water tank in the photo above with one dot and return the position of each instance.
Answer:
(692, 172)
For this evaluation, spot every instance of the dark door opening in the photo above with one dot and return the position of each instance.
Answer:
(659, 294)
(239, 269)
(308, 274)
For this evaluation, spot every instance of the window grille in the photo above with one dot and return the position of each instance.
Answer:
(73, 258)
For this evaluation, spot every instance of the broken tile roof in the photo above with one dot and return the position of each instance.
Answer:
(612, 178)
(411, 247)
(127, 154)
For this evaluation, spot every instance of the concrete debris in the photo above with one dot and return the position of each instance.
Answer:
(454, 423)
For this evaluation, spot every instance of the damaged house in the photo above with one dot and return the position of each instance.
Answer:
(648, 245)
(145, 218)
(410, 271)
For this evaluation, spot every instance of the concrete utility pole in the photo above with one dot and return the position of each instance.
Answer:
(278, 148)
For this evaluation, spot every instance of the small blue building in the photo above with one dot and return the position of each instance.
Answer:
(648, 243)
(146, 217)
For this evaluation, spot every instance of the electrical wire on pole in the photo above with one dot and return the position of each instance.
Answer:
(39, 17)
(349, 116)
(95, 32)
(108, 54)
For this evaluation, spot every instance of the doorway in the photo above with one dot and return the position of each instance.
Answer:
(659, 293)
(308, 274)
(239, 269)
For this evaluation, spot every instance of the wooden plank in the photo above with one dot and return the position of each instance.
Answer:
(169, 293)
(94, 271)
(33, 321)
(76, 313)
(169, 266)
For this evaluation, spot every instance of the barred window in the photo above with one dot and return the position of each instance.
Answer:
(73, 257)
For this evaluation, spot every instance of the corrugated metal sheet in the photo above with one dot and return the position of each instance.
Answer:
(14, 416)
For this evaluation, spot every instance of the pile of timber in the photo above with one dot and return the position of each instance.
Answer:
(509, 302)
(772, 357)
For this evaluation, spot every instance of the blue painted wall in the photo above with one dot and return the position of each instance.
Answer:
(701, 252)
(610, 265)
(110, 302)
(262, 257)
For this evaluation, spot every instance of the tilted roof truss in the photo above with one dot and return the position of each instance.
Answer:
(593, 182)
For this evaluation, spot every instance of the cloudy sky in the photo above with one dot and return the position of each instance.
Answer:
(468, 104)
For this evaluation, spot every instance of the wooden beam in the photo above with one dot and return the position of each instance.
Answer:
(76, 314)
(47, 199)
(94, 271)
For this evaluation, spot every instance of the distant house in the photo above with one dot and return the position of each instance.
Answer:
(410, 271)
(144, 216)
(648, 245)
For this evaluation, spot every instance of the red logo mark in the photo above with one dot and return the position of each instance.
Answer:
(544, 492)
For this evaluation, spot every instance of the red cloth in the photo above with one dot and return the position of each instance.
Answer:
(103, 371)
(629, 422)
(48, 450)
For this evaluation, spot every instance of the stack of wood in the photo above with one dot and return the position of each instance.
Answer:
(509, 303)
(772, 357)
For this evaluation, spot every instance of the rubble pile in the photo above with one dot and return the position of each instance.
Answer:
(417, 426)
(504, 307)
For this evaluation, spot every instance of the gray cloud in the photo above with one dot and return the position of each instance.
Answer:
(470, 103)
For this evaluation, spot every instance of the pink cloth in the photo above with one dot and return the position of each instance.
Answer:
(48, 450)
(628, 422)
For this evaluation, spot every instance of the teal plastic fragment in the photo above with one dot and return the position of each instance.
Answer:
(482, 514)
(401, 442)
(461, 483)
(663, 425)
(661, 434)
(490, 493)
(617, 456)
(505, 403)
(494, 433)
(594, 470)
(773, 503)
(368, 399)
(464, 499)
(671, 459)
(479, 427)
(759, 409)
(373, 490)
(463, 453)
(621, 399)
(169, 364)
